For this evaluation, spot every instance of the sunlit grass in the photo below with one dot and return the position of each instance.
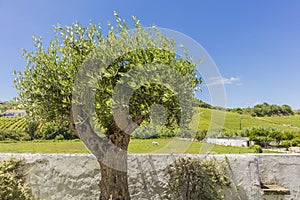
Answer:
(233, 122)
(135, 146)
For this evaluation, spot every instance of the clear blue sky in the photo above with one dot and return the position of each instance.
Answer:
(255, 44)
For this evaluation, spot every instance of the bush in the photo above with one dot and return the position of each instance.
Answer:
(256, 148)
(167, 133)
(184, 133)
(295, 141)
(195, 179)
(50, 132)
(12, 180)
(245, 132)
(147, 131)
(264, 135)
(59, 137)
(15, 135)
(286, 143)
(31, 128)
(200, 135)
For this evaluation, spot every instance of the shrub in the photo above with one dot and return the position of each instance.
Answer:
(256, 148)
(245, 132)
(184, 133)
(167, 133)
(145, 132)
(50, 131)
(59, 137)
(264, 135)
(286, 143)
(12, 180)
(15, 135)
(295, 141)
(31, 128)
(200, 135)
(195, 179)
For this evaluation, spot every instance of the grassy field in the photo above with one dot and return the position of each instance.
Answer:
(234, 121)
(135, 146)
(202, 121)
(287, 121)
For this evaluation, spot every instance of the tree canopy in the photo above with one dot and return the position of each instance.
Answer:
(46, 85)
(265, 109)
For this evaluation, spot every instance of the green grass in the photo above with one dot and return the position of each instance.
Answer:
(231, 121)
(44, 147)
(135, 146)
(292, 122)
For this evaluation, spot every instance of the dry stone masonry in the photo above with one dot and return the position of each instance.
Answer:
(77, 176)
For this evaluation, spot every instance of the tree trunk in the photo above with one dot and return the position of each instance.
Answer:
(72, 123)
(111, 151)
(113, 184)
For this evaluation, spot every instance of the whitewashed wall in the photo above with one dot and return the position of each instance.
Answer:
(239, 142)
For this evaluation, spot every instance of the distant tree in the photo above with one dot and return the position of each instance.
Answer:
(261, 110)
(202, 104)
(237, 110)
(287, 136)
(5, 105)
(247, 111)
(286, 110)
(200, 135)
(276, 136)
(264, 136)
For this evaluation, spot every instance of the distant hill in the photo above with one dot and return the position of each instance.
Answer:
(203, 120)
(233, 121)
(259, 110)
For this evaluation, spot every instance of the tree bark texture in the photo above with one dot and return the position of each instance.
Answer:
(113, 184)
(111, 153)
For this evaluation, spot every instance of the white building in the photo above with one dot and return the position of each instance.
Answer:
(14, 113)
(226, 141)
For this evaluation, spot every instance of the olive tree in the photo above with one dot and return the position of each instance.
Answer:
(46, 84)
(106, 86)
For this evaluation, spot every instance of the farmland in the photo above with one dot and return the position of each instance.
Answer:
(233, 122)
(14, 123)
(204, 119)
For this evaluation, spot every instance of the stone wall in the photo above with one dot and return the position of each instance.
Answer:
(283, 170)
(76, 176)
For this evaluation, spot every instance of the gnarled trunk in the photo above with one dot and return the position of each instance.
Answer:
(72, 123)
(113, 184)
(111, 152)
(114, 178)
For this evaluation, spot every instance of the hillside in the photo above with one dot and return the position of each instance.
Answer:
(14, 123)
(234, 121)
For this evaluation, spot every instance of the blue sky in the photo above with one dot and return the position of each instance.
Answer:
(255, 44)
